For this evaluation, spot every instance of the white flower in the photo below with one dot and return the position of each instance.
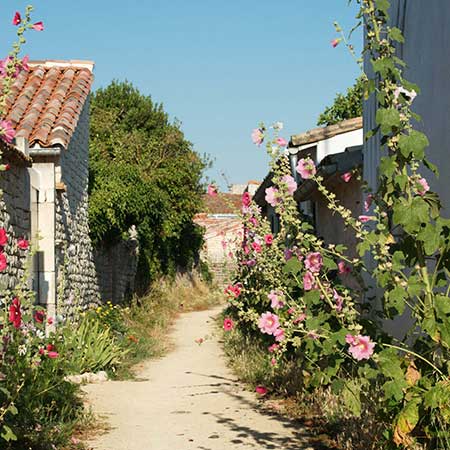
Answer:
(278, 126)
(22, 350)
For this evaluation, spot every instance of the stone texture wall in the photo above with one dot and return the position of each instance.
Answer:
(76, 276)
(116, 268)
(15, 217)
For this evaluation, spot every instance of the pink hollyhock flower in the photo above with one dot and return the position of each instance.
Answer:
(250, 263)
(261, 390)
(410, 95)
(228, 324)
(335, 42)
(282, 142)
(368, 202)
(3, 237)
(258, 136)
(24, 63)
(50, 320)
(23, 244)
(39, 316)
(246, 199)
(343, 268)
(279, 335)
(38, 26)
(53, 354)
(15, 314)
(212, 190)
(300, 318)
(7, 132)
(308, 281)
(288, 254)
(233, 290)
(276, 299)
(246, 249)
(273, 362)
(291, 311)
(290, 183)
(257, 247)
(361, 347)
(365, 219)
(306, 168)
(254, 221)
(424, 187)
(314, 262)
(268, 323)
(347, 176)
(273, 348)
(3, 262)
(17, 18)
(268, 239)
(271, 198)
(339, 300)
(199, 341)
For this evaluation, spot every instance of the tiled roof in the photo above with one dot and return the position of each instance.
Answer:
(45, 102)
(12, 154)
(216, 226)
(222, 203)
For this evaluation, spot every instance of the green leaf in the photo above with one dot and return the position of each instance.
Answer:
(7, 434)
(388, 166)
(395, 300)
(394, 389)
(396, 35)
(388, 119)
(292, 266)
(415, 143)
(411, 214)
(431, 238)
(329, 263)
(312, 297)
(390, 364)
(351, 395)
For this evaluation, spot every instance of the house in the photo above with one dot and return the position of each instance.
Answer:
(336, 149)
(222, 225)
(49, 109)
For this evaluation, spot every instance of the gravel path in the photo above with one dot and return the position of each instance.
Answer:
(189, 400)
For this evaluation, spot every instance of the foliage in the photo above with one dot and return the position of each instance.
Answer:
(143, 172)
(345, 106)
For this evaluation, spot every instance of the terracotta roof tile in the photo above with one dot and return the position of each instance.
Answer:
(45, 103)
(223, 203)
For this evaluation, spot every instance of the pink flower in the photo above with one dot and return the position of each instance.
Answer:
(279, 335)
(424, 187)
(361, 347)
(228, 324)
(15, 314)
(268, 323)
(7, 167)
(368, 202)
(282, 142)
(288, 254)
(24, 63)
(261, 390)
(314, 262)
(335, 42)
(257, 247)
(250, 263)
(365, 219)
(53, 355)
(38, 26)
(7, 132)
(339, 300)
(273, 362)
(300, 318)
(224, 244)
(3, 263)
(23, 244)
(50, 320)
(233, 290)
(271, 198)
(17, 18)
(347, 176)
(258, 136)
(212, 190)
(39, 316)
(3, 237)
(246, 199)
(343, 268)
(254, 221)
(290, 183)
(268, 239)
(308, 281)
(273, 348)
(306, 168)
(410, 95)
(275, 298)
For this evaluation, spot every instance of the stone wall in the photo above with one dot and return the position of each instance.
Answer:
(76, 276)
(116, 268)
(15, 217)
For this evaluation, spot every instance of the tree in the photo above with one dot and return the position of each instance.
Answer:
(143, 172)
(346, 106)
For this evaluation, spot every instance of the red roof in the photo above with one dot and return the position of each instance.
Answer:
(222, 203)
(46, 102)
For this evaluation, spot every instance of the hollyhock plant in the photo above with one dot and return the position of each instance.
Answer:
(258, 136)
(261, 390)
(343, 268)
(233, 290)
(212, 190)
(347, 176)
(306, 168)
(368, 202)
(409, 95)
(15, 314)
(423, 187)
(268, 323)
(246, 199)
(3, 237)
(282, 142)
(257, 247)
(23, 244)
(271, 196)
(288, 254)
(17, 18)
(268, 239)
(314, 262)
(273, 348)
(228, 324)
(364, 219)
(335, 42)
(250, 263)
(254, 221)
(308, 281)
(38, 26)
(290, 183)
(339, 300)
(276, 299)
(279, 335)
(7, 132)
(361, 347)
(3, 262)
(39, 316)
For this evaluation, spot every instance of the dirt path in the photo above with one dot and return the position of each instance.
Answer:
(189, 400)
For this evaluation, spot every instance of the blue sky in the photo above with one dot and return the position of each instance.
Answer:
(220, 67)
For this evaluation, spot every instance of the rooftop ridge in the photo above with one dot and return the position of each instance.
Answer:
(74, 63)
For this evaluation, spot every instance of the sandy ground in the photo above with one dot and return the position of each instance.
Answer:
(189, 400)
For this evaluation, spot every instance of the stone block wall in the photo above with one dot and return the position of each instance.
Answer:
(15, 217)
(76, 277)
